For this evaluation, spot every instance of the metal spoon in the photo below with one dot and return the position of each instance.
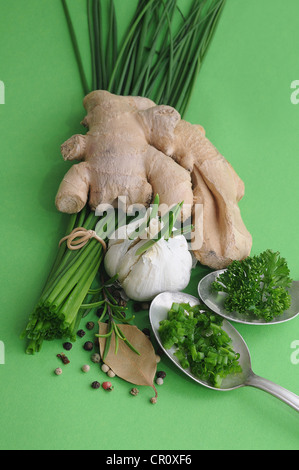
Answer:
(158, 311)
(215, 301)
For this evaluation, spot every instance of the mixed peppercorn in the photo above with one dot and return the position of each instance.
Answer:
(96, 359)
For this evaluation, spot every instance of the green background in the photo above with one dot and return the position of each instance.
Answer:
(242, 98)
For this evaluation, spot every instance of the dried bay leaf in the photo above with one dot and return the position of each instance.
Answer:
(139, 369)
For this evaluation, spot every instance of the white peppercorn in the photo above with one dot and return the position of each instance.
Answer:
(159, 381)
(58, 371)
(86, 368)
(105, 368)
(110, 373)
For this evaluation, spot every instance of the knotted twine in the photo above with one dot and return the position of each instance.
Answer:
(79, 237)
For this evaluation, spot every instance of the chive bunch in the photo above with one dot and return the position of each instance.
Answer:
(61, 305)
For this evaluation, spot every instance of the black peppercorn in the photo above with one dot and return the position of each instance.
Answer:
(90, 325)
(81, 333)
(137, 307)
(88, 346)
(67, 346)
(147, 332)
(95, 385)
(161, 374)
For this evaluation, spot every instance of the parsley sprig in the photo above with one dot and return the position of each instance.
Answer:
(257, 285)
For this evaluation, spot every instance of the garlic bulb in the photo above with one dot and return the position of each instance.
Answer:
(166, 266)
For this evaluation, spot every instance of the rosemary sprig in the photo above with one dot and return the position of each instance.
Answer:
(113, 314)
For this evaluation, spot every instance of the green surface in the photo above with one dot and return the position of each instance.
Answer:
(242, 98)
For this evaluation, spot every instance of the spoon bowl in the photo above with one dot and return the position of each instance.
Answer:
(215, 301)
(159, 309)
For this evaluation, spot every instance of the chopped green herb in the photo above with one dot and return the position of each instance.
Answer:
(201, 343)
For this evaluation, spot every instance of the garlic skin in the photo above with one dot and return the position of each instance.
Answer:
(166, 266)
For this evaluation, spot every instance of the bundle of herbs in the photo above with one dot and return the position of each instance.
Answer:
(159, 58)
(61, 305)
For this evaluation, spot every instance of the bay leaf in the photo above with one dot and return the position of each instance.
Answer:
(136, 369)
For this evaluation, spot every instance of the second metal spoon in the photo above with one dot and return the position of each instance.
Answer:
(215, 301)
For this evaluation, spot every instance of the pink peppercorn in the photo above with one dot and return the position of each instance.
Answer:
(107, 386)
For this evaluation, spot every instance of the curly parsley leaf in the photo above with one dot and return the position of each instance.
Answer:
(257, 285)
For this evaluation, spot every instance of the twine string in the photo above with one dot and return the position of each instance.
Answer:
(79, 237)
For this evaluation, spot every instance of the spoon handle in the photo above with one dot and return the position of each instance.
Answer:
(279, 392)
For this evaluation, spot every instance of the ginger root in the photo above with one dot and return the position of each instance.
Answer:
(118, 160)
(137, 149)
(216, 187)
